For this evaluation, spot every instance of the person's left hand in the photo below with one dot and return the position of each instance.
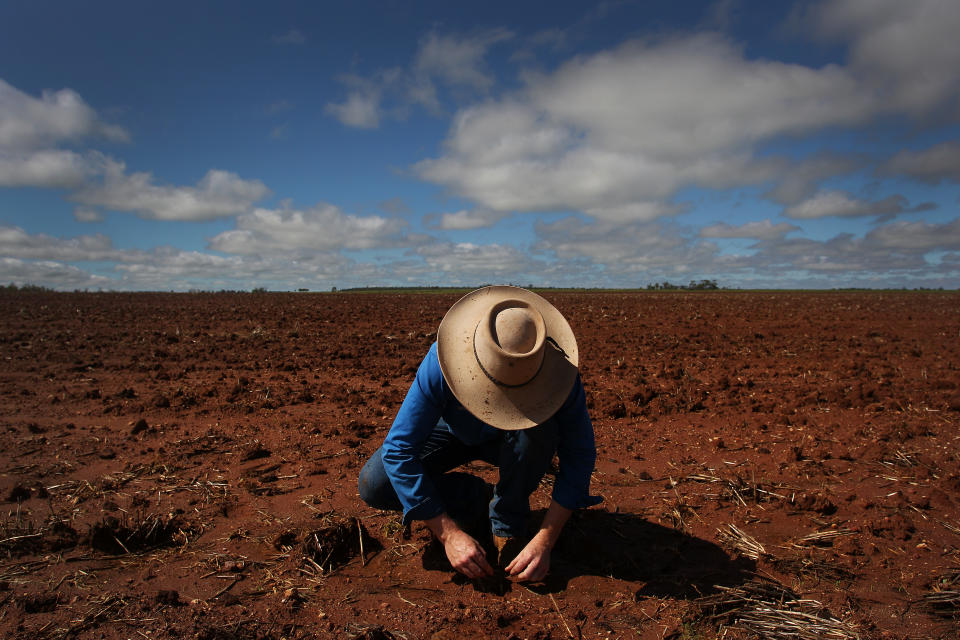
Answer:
(532, 563)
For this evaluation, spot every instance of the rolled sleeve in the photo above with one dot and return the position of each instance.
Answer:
(415, 421)
(576, 452)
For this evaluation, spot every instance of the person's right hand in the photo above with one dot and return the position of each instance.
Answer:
(466, 555)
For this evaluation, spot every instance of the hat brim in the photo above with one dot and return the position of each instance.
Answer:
(507, 408)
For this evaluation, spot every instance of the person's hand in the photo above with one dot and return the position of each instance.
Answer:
(532, 563)
(466, 555)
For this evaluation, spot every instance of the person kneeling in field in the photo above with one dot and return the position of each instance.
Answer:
(500, 384)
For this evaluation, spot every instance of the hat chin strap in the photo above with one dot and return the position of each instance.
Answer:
(514, 324)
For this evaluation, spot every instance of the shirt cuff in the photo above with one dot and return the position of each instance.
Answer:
(569, 502)
(430, 508)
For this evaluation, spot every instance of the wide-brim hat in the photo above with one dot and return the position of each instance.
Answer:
(508, 355)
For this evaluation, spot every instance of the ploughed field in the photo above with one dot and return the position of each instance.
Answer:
(185, 465)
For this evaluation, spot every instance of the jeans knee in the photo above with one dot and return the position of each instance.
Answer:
(365, 488)
(374, 486)
(368, 487)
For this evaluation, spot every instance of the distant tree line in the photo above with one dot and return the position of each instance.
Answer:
(28, 288)
(702, 285)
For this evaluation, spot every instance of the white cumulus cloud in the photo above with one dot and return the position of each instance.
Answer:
(32, 129)
(616, 132)
(917, 236)
(218, 194)
(617, 246)
(17, 243)
(695, 94)
(799, 180)
(57, 116)
(48, 168)
(442, 61)
(322, 228)
(635, 124)
(763, 229)
(464, 219)
(893, 254)
(908, 52)
(361, 108)
(458, 60)
(49, 273)
(841, 204)
(43, 259)
(466, 261)
(933, 165)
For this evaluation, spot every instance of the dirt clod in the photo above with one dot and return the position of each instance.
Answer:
(117, 536)
(18, 493)
(255, 451)
(816, 502)
(38, 602)
(169, 597)
(336, 543)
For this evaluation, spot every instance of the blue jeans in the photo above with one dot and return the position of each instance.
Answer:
(522, 457)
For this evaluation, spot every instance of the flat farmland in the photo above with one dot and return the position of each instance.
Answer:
(185, 466)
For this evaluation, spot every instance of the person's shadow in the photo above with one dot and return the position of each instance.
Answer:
(624, 546)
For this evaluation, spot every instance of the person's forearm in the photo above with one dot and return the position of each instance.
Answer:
(442, 526)
(553, 522)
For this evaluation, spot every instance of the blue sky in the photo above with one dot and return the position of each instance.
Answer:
(232, 145)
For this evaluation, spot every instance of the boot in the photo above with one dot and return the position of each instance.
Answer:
(507, 549)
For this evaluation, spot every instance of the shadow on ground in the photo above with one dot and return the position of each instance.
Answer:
(665, 562)
(625, 546)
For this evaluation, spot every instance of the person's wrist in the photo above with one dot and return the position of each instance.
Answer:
(547, 538)
(443, 527)
(548, 542)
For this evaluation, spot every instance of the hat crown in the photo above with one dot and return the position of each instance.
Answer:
(508, 342)
(516, 330)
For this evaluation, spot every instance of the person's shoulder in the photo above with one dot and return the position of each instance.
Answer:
(432, 360)
(429, 371)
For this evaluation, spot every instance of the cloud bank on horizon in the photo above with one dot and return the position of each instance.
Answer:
(818, 151)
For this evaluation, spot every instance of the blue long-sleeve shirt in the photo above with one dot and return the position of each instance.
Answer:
(430, 398)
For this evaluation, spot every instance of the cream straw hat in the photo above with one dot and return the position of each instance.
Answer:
(509, 356)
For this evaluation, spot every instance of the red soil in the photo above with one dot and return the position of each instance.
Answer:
(180, 465)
